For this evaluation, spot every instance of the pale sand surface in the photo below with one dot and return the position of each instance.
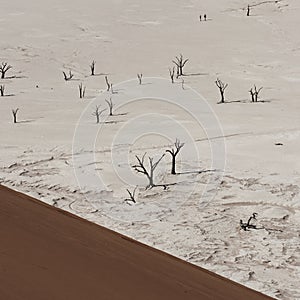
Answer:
(40, 40)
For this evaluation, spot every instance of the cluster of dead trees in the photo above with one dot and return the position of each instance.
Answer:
(254, 92)
(4, 68)
(179, 63)
(147, 167)
(178, 71)
(98, 111)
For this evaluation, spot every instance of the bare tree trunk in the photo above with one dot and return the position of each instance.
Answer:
(15, 112)
(109, 86)
(110, 106)
(131, 195)
(2, 89)
(97, 113)
(222, 87)
(81, 91)
(140, 77)
(4, 67)
(180, 63)
(92, 67)
(149, 173)
(68, 77)
(174, 152)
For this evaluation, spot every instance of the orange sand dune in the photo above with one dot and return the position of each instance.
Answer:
(47, 253)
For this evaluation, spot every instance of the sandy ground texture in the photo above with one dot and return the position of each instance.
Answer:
(87, 261)
(57, 153)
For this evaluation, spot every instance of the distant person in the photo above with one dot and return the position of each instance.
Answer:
(248, 10)
(200, 17)
(204, 17)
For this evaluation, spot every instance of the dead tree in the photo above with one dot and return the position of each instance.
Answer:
(69, 76)
(92, 67)
(254, 93)
(141, 168)
(81, 90)
(174, 151)
(97, 113)
(248, 225)
(109, 85)
(2, 90)
(15, 112)
(222, 87)
(4, 67)
(180, 63)
(248, 11)
(172, 74)
(140, 77)
(110, 106)
(131, 195)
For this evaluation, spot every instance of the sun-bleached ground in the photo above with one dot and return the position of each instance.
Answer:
(128, 37)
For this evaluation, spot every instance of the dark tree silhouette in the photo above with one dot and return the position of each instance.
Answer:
(131, 195)
(149, 173)
(222, 87)
(140, 77)
(92, 67)
(97, 113)
(2, 90)
(15, 112)
(69, 76)
(110, 106)
(248, 225)
(180, 62)
(81, 91)
(248, 11)
(174, 151)
(254, 92)
(4, 67)
(109, 85)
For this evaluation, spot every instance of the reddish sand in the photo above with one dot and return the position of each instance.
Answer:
(47, 253)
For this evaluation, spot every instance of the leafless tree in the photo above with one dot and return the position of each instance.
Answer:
(254, 93)
(174, 152)
(97, 113)
(109, 85)
(180, 62)
(4, 67)
(149, 173)
(2, 90)
(110, 106)
(248, 10)
(222, 87)
(131, 195)
(248, 225)
(140, 77)
(81, 90)
(15, 112)
(172, 74)
(92, 67)
(68, 76)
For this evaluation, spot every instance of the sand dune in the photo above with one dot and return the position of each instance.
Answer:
(50, 254)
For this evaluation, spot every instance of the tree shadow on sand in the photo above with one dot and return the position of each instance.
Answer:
(196, 172)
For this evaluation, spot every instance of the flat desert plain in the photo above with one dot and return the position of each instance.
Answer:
(239, 157)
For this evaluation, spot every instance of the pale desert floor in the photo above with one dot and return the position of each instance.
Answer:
(128, 37)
